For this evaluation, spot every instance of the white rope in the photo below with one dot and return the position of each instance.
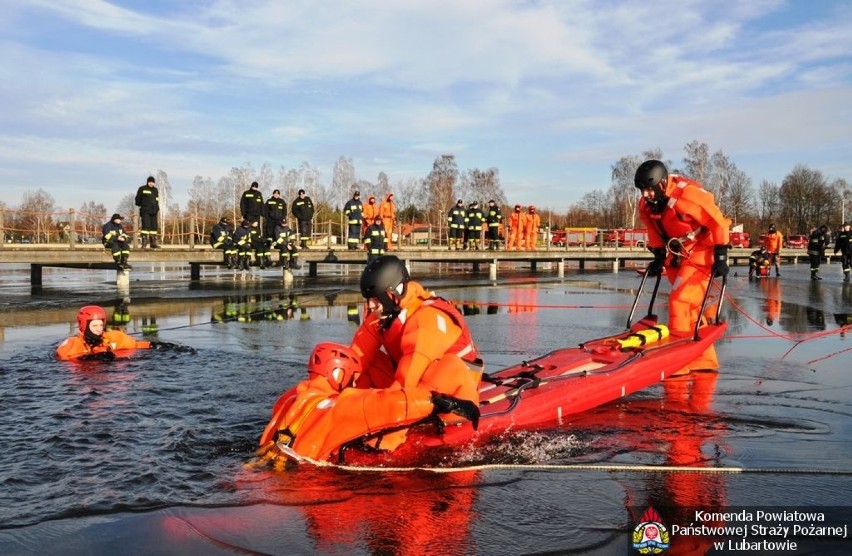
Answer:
(591, 467)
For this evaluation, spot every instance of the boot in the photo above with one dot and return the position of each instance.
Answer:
(261, 262)
(284, 263)
(123, 263)
(304, 244)
(118, 265)
(294, 264)
(153, 241)
(144, 241)
(243, 262)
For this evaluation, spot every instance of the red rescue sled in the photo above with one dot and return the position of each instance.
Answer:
(543, 391)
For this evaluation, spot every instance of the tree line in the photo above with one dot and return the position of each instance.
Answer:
(803, 200)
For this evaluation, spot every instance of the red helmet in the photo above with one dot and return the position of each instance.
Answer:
(336, 362)
(88, 314)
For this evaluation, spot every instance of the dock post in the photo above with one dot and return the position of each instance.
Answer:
(560, 268)
(122, 279)
(492, 270)
(195, 271)
(35, 274)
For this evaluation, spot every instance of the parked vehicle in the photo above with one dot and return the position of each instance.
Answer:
(626, 237)
(740, 239)
(574, 237)
(796, 241)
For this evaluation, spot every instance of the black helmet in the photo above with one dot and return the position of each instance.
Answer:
(772, 227)
(650, 173)
(385, 278)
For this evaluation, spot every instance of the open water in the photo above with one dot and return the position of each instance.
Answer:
(147, 455)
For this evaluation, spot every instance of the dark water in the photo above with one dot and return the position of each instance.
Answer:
(146, 455)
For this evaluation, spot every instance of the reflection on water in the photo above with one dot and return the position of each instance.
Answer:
(149, 450)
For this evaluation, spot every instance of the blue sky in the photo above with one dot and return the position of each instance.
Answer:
(98, 95)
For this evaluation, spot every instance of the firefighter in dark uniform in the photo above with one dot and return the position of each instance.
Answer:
(242, 241)
(274, 213)
(251, 203)
(148, 201)
(759, 263)
(843, 245)
(116, 240)
(817, 242)
(456, 226)
(354, 211)
(303, 209)
(260, 245)
(285, 241)
(376, 239)
(220, 238)
(493, 219)
(474, 222)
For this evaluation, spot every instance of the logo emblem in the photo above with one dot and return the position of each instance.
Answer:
(650, 536)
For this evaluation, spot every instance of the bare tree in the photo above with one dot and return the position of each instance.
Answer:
(409, 195)
(806, 199)
(91, 219)
(623, 190)
(441, 184)
(697, 164)
(36, 215)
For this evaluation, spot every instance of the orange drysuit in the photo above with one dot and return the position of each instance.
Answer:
(691, 215)
(387, 210)
(115, 341)
(369, 212)
(427, 345)
(773, 242)
(321, 419)
(517, 220)
(531, 224)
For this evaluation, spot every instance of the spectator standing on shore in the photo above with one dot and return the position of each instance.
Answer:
(773, 242)
(531, 226)
(354, 211)
(473, 232)
(371, 210)
(251, 203)
(387, 210)
(148, 201)
(456, 226)
(274, 213)
(817, 242)
(843, 245)
(115, 239)
(493, 219)
(303, 209)
(517, 221)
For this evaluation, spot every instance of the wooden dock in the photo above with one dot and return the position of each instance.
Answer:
(197, 257)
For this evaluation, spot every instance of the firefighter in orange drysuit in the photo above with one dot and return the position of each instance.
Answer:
(411, 337)
(369, 213)
(532, 222)
(688, 234)
(387, 210)
(773, 242)
(93, 342)
(517, 221)
(327, 413)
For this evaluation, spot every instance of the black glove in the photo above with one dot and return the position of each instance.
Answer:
(448, 404)
(168, 346)
(720, 260)
(102, 356)
(655, 268)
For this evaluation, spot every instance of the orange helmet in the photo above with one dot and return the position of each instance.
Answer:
(336, 362)
(87, 314)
